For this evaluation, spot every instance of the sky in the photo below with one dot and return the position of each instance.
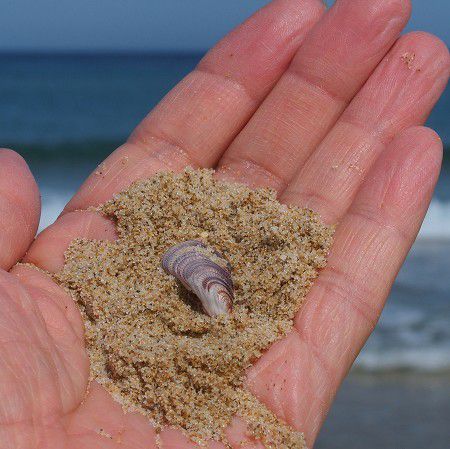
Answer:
(149, 25)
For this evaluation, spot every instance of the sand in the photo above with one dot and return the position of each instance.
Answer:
(150, 342)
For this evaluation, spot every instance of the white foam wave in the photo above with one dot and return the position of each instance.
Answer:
(425, 359)
(408, 338)
(53, 203)
(437, 221)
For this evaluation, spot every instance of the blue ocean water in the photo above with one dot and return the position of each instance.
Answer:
(65, 113)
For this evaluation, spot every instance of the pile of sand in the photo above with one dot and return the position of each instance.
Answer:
(150, 343)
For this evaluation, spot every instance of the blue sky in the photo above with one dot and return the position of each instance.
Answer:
(154, 25)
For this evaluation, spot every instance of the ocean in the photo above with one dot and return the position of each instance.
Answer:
(65, 113)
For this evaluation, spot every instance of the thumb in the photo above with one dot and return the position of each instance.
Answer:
(20, 208)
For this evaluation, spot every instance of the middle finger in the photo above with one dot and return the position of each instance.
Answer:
(333, 63)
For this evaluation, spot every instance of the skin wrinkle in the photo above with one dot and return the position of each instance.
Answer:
(74, 338)
(378, 135)
(297, 398)
(279, 24)
(9, 310)
(289, 114)
(296, 111)
(28, 274)
(374, 246)
(227, 79)
(186, 154)
(28, 422)
(402, 85)
(254, 169)
(276, 398)
(388, 269)
(54, 362)
(312, 199)
(271, 136)
(360, 144)
(69, 387)
(419, 170)
(313, 85)
(316, 354)
(386, 187)
(48, 365)
(372, 218)
(23, 386)
(160, 125)
(53, 432)
(356, 296)
(7, 369)
(57, 304)
(99, 181)
(87, 225)
(340, 170)
(103, 170)
(33, 334)
(347, 248)
(98, 419)
(393, 22)
(388, 22)
(62, 326)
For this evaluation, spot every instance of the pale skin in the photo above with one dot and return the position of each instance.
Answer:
(327, 108)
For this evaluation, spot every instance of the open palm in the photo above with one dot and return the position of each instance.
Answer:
(324, 107)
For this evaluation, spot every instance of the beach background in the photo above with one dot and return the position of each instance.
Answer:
(65, 109)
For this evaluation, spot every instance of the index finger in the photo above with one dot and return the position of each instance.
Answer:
(199, 118)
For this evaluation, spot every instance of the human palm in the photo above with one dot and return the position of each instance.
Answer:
(323, 107)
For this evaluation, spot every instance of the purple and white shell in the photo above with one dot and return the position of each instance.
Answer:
(204, 272)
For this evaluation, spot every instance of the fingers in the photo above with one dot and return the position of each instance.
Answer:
(400, 93)
(330, 67)
(19, 208)
(198, 119)
(343, 306)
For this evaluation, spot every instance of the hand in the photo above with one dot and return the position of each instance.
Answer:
(337, 129)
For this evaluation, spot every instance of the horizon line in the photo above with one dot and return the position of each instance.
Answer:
(99, 51)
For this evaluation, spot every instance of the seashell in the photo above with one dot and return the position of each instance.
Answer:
(204, 272)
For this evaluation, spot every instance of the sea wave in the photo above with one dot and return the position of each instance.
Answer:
(53, 202)
(426, 360)
(409, 338)
(437, 221)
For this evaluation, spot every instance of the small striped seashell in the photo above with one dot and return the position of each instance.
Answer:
(204, 272)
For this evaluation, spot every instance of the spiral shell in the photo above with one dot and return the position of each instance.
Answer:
(203, 271)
